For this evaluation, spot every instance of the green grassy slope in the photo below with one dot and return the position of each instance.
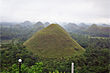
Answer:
(53, 41)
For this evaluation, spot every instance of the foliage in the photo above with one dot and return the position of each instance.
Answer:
(87, 41)
(37, 68)
(97, 61)
(94, 60)
(12, 52)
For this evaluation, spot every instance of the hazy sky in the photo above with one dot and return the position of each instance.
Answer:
(97, 11)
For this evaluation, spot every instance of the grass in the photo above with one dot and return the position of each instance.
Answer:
(53, 41)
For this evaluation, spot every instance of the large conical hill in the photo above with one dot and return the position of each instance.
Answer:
(53, 41)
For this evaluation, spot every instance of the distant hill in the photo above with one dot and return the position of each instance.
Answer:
(53, 41)
(93, 28)
(39, 23)
(71, 27)
(20, 31)
(105, 25)
(96, 30)
(38, 26)
(26, 23)
(83, 26)
(46, 24)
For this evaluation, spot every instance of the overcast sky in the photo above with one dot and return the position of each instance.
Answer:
(92, 11)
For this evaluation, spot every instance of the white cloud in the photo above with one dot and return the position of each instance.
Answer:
(55, 10)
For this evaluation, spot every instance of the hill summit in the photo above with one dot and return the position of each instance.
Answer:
(53, 41)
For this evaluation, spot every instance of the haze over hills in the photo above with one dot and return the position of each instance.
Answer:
(53, 41)
(27, 23)
(84, 25)
(24, 30)
(96, 30)
(46, 24)
(38, 26)
(71, 27)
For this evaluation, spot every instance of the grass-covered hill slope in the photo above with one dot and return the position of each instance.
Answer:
(53, 41)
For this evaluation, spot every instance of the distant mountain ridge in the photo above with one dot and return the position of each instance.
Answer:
(96, 30)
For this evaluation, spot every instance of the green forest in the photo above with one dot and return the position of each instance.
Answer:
(94, 59)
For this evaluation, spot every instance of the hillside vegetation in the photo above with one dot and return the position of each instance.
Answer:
(53, 41)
